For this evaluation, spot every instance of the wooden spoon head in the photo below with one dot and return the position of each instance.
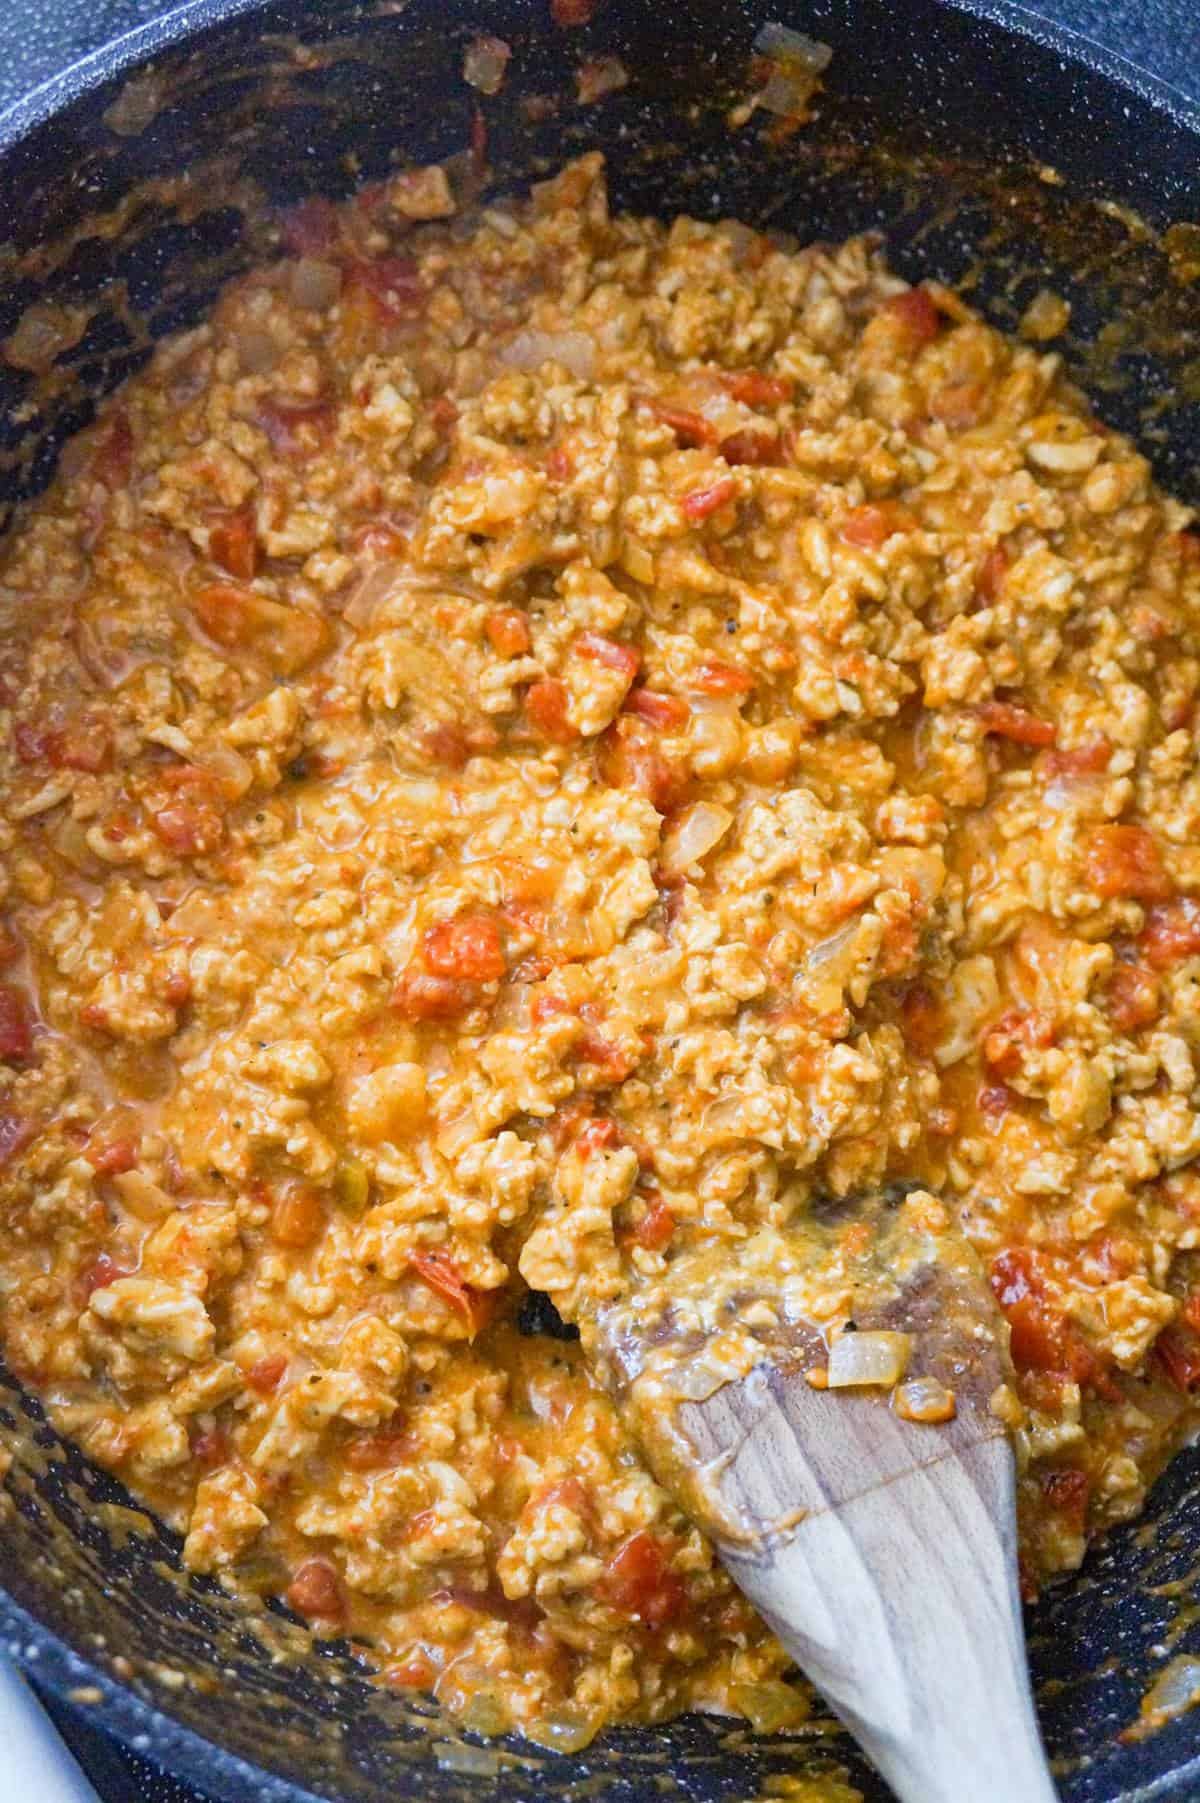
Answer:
(695, 1358)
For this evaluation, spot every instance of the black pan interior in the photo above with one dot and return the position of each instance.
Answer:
(999, 160)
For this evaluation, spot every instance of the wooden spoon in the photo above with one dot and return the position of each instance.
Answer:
(881, 1550)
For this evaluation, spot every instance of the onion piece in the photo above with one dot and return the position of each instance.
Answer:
(142, 1197)
(924, 1399)
(315, 284)
(1065, 457)
(385, 582)
(692, 834)
(798, 64)
(574, 350)
(599, 76)
(234, 772)
(484, 63)
(868, 1359)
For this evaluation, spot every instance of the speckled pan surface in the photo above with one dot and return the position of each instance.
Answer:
(939, 126)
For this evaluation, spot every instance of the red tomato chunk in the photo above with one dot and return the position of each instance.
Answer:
(638, 1582)
(1125, 861)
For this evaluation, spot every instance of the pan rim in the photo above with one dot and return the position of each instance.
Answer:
(142, 1726)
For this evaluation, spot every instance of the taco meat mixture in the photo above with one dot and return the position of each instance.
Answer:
(533, 742)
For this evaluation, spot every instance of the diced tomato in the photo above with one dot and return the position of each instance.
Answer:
(1132, 998)
(112, 458)
(16, 1025)
(316, 1592)
(1188, 545)
(83, 743)
(190, 829)
(468, 947)
(233, 543)
(420, 995)
(569, 13)
(415, 1672)
(227, 614)
(957, 404)
(870, 526)
(701, 502)
(1066, 1494)
(440, 1272)
(379, 1451)
(508, 631)
(608, 1061)
(1082, 760)
(628, 757)
(567, 1491)
(597, 1135)
(560, 465)
(1177, 1350)
(992, 571)
(309, 227)
(1016, 1032)
(753, 446)
(916, 315)
(265, 1375)
(1042, 1337)
(1171, 933)
(10, 945)
(393, 284)
(378, 539)
(1125, 861)
(756, 389)
(113, 1157)
(452, 744)
(1005, 720)
(16, 1131)
(668, 711)
(297, 1217)
(546, 708)
(922, 1021)
(638, 1582)
(102, 1271)
(690, 428)
(716, 678)
(444, 414)
(1191, 1311)
(625, 660)
(296, 429)
(210, 1448)
(655, 1226)
(242, 619)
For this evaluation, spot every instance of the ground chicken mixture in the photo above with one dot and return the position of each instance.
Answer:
(530, 744)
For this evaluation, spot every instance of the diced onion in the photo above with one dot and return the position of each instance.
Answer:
(315, 284)
(924, 1399)
(782, 44)
(1176, 1688)
(142, 1197)
(799, 62)
(474, 1762)
(771, 1705)
(600, 76)
(872, 1358)
(485, 62)
(234, 772)
(574, 350)
(692, 835)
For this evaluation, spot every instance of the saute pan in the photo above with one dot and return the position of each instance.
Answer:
(991, 150)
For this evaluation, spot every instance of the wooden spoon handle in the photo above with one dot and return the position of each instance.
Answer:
(901, 1605)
